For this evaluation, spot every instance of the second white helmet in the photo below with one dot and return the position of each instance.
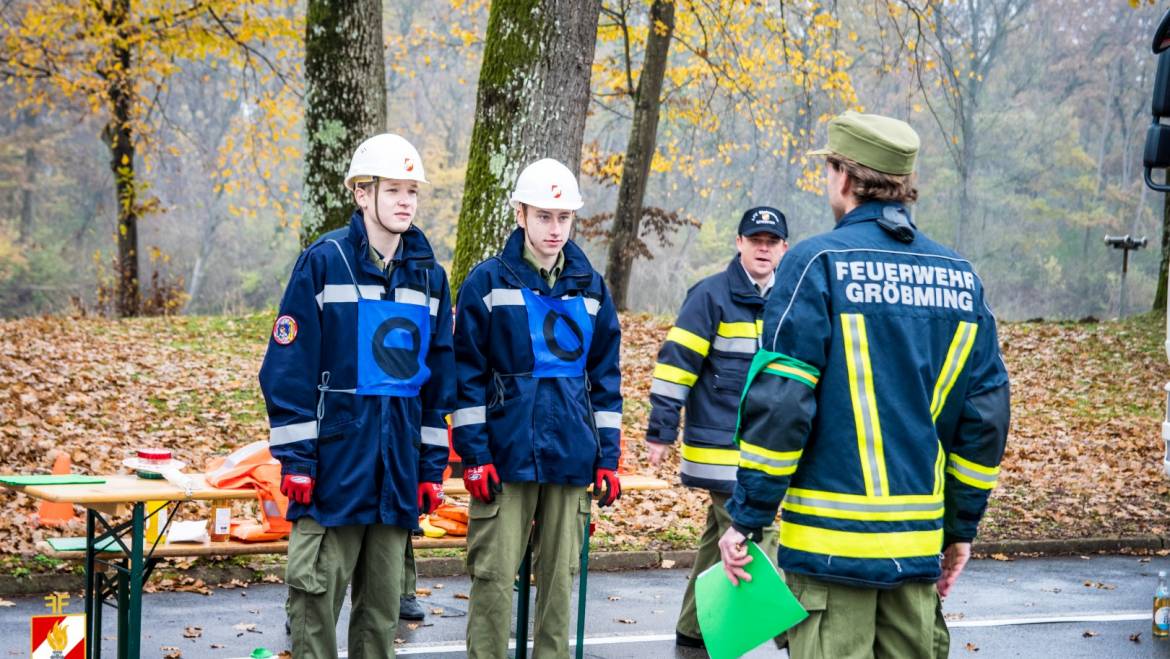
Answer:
(547, 184)
(385, 156)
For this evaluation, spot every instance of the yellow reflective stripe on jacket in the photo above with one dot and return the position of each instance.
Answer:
(940, 463)
(785, 371)
(865, 413)
(973, 474)
(860, 507)
(675, 374)
(711, 456)
(773, 463)
(953, 365)
(689, 340)
(746, 330)
(901, 544)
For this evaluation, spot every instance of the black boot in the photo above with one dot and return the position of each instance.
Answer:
(409, 608)
(684, 641)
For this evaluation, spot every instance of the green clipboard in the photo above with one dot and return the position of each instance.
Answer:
(19, 480)
(737, 619)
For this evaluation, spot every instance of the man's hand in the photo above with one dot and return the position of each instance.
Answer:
(482, 482)
(430, 496)
(734, 553)
(607, 487)
(297, 487)
(954, 560)
(657, 452)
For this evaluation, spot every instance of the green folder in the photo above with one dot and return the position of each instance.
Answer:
(78, 544)
(737, 619)
(19, 480)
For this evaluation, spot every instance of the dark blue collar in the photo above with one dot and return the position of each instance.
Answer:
(414, 250)
(742, 286)
(870, 211)
(575, 276)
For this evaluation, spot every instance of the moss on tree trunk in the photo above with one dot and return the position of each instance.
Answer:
(345, 102)
(531, 102)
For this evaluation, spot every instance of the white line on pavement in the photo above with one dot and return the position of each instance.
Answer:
(1124, 616)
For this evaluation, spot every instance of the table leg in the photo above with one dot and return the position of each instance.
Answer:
(134, 619)
(123, 613)
(93, 647)
(581, 591)
(522, 605)
(94, 643)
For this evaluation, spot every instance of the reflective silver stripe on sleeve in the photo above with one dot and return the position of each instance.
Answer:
(468, 416)
(434, 436)
(411, 296)
(707, 471)
(608, 419)
(990, 479)
(741, 345)
(670, 389)
(501, 297)
(294, 432)
(346, 293)
(864, 507)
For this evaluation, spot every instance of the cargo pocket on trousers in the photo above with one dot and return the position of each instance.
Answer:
(807, 635)
(304, 557)
(584, 508)
(482, 561)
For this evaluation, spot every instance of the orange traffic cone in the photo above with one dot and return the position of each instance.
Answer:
(57, 513)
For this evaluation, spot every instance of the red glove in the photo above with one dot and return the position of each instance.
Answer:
(482, 482)
(606, 487)
(430, 496)
(297, 487)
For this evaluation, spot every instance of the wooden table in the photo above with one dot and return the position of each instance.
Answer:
(121, 493)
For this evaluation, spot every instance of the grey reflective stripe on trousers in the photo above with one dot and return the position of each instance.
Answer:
(853, 323)
(864, 507)
(709, 472)
(972, 474)
(740, 345)
(670, 389)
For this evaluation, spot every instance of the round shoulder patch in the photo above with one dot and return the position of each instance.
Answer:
(284, 330)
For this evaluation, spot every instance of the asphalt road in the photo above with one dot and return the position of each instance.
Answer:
(1054, 607)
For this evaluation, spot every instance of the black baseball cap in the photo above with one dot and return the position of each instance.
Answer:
(764, 219)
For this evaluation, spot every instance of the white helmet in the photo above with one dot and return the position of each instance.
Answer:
(547, 184)
(385, 156)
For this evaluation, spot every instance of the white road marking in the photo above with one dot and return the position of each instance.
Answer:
(461, 646)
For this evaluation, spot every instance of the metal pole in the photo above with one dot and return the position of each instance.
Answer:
(134, 617)
(581, 590)
(522, 605)
(93, 647)
(1124, 272)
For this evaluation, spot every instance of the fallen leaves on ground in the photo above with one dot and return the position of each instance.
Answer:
(171, 652)
(193, 632)
(1083, 458)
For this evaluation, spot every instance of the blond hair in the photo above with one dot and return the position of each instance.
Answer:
(872, 185)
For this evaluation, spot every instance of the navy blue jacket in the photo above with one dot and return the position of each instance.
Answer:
(877, 408)
(704, 363)
(367, 453)
(544, 430)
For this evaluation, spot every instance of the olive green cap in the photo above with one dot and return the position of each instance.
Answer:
(881, 143)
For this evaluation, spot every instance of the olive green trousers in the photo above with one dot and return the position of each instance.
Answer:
(321, 563)
(497, 535)
(845, 622)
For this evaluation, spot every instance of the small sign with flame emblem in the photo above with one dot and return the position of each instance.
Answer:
(61, 635)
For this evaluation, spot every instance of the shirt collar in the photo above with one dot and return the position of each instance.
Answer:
(767, 287)
(550, 275)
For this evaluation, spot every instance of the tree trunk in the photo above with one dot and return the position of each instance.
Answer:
(1160, 296)
(119, 138)
(27, 200)
(531, 103)
(623, 235)
(345, 102)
